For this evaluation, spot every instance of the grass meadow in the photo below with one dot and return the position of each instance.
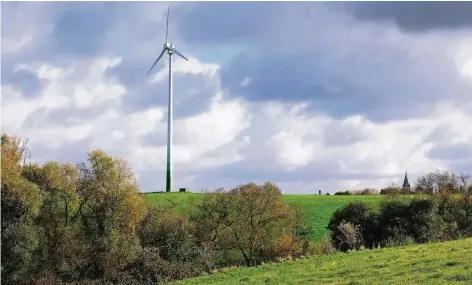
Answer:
(434, 263)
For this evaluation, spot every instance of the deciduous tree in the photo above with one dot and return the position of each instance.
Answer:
(249, 218)
(110, 209)
(21, 202)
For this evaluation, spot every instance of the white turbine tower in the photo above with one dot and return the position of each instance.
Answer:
(170, 50)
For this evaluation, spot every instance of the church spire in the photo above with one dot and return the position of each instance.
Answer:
(405, 181)
(406, 185)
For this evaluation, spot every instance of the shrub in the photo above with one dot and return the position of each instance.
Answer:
(368, 191)
(285, 246)
(323, 247)
(456, 214)
(399, 240)
(401, 221)
(357, 214)
(170, 232)
(350, 236)
(342, 193)
(417, 219)
(46, 277)
(390, 191)
(150, 268)
(228, 257)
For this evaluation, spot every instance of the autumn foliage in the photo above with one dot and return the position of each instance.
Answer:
(89, 224)
(250, 219)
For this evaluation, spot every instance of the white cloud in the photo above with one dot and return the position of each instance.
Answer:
(291, 151)
(10, 46)
(462, 53)
(192, 66)
(299, 139)
(60, 90)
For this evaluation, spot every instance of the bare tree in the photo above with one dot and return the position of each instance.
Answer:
(440, 181)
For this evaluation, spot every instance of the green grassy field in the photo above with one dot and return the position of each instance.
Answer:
(320, 207)
(435, 263)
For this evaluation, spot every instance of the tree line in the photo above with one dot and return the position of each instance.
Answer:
(440, 215)
(430, 183)
(89, 224)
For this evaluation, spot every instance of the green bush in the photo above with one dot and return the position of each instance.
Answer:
(399, 222)
(417, 218)
(457, 213)
(357, 214)
(343, 193)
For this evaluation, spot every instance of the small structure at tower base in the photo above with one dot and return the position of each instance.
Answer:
(184, 190)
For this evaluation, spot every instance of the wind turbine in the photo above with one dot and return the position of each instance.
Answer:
(169, 47)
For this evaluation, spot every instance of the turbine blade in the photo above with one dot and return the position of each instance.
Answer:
(159, 57)
(178, 53)
(167, 25)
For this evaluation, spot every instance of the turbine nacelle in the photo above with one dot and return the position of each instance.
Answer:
(169, 47)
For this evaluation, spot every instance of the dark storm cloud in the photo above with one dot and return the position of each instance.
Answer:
(415, 16)
(220, 22)
(339, 86)
(302, 52)
(317, 78)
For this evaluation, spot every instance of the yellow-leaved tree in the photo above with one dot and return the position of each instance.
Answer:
(110, 209)
(21, 202)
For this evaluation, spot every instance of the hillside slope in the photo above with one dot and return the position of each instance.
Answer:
(436, 263)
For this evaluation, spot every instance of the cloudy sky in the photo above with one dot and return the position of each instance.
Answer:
(311, 96)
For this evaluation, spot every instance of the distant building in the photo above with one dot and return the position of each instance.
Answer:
(406, 184)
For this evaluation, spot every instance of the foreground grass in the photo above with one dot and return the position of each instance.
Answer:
(435, 263)
(320, 207)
